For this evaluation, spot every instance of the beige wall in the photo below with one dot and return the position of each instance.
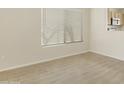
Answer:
(20, 34)
(105, 42)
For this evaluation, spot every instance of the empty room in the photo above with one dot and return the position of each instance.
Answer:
(61, 45)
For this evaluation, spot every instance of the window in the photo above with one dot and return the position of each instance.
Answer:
(61, 25)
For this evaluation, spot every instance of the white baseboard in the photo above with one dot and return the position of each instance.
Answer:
(104, 54)
(41, 61)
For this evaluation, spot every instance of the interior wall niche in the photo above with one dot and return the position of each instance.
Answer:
(115, 19)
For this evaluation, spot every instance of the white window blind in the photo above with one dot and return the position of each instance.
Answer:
(62, 25)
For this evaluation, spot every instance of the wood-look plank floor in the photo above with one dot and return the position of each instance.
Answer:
(88, 68)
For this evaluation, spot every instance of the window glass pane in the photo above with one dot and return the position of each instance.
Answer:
(73, 25)
(53, 28)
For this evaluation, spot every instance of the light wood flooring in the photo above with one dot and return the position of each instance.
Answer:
(88, 68)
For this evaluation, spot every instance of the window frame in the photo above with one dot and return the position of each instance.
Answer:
(43, 23)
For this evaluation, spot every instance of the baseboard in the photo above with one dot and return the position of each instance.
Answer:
(41, 61)
(104, 54)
